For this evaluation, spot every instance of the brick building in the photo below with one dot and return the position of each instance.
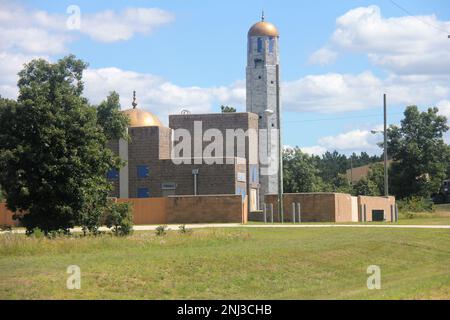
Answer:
(239, 168)
(153, 170)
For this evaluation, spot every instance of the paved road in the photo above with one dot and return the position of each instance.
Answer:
(237, 225)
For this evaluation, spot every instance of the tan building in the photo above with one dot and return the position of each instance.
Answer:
(151, 171)
(330, 207)
(356, 174)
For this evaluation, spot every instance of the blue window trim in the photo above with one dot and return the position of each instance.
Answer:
(143, 193)
(112, 174)
(143, 172)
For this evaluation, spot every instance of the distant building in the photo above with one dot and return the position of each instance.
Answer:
(356, 174)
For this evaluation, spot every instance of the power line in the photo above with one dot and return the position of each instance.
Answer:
(417, 18)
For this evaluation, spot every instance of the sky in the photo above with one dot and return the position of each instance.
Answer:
(338, 58)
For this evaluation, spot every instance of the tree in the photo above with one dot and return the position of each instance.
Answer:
(227, 109)
(53, 154)
(366, 187)
(332, 164)
(111, 119)
(419, 152)
(300, 172)
(119, 218)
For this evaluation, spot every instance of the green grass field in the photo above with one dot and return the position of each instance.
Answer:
(231, 264)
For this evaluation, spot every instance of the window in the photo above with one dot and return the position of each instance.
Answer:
(112, 174)
(260, 45)
(241, 191)
(143, 193)
(271, 44)
(254, 174)
(142, 172)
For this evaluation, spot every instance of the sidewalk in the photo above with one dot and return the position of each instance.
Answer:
(238, 225)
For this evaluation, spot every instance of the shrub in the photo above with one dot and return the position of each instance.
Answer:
(161, 231)
(35, 233)
(416, 204)
(119, 218)
(183, 230)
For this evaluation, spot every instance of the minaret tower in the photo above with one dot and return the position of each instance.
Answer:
(263, 98)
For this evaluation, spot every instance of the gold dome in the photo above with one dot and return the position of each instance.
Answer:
(263, 29)
(141, 118)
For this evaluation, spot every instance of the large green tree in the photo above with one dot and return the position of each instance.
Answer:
(420, 154)
(53, 155)
(300, 172)
(373, 183)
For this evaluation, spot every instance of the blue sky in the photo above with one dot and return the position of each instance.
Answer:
(192, 54)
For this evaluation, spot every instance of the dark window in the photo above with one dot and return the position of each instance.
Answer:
(271, 44)
(143, 193)
(377, 215)
(112, 174)
(142, 172)
(260, 45)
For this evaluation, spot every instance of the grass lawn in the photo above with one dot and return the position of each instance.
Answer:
(231, 264)
(441, 216)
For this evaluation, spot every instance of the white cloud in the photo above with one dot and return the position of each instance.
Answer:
(404, 45)
(38, 32)
(357, 140)
(444, 108)
(30, 31)
(335, 92)
(314, 150)
(110, 26)
(157, 94)
(323, 56)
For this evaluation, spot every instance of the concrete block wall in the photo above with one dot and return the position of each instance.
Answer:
(315, 207)
(343, 207)
(376, 203)
(206, 209)
(329, 207)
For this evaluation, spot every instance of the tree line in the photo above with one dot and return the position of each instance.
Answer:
(420, 161)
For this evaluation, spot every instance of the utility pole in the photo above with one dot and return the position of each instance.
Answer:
(386, 182)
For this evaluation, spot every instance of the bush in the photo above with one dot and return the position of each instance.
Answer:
(35, 233)
(119, 218)
(161, 231)
(415, 204)
(183, 230)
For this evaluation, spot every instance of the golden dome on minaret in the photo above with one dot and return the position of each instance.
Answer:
(263, 29)
(141, 118)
